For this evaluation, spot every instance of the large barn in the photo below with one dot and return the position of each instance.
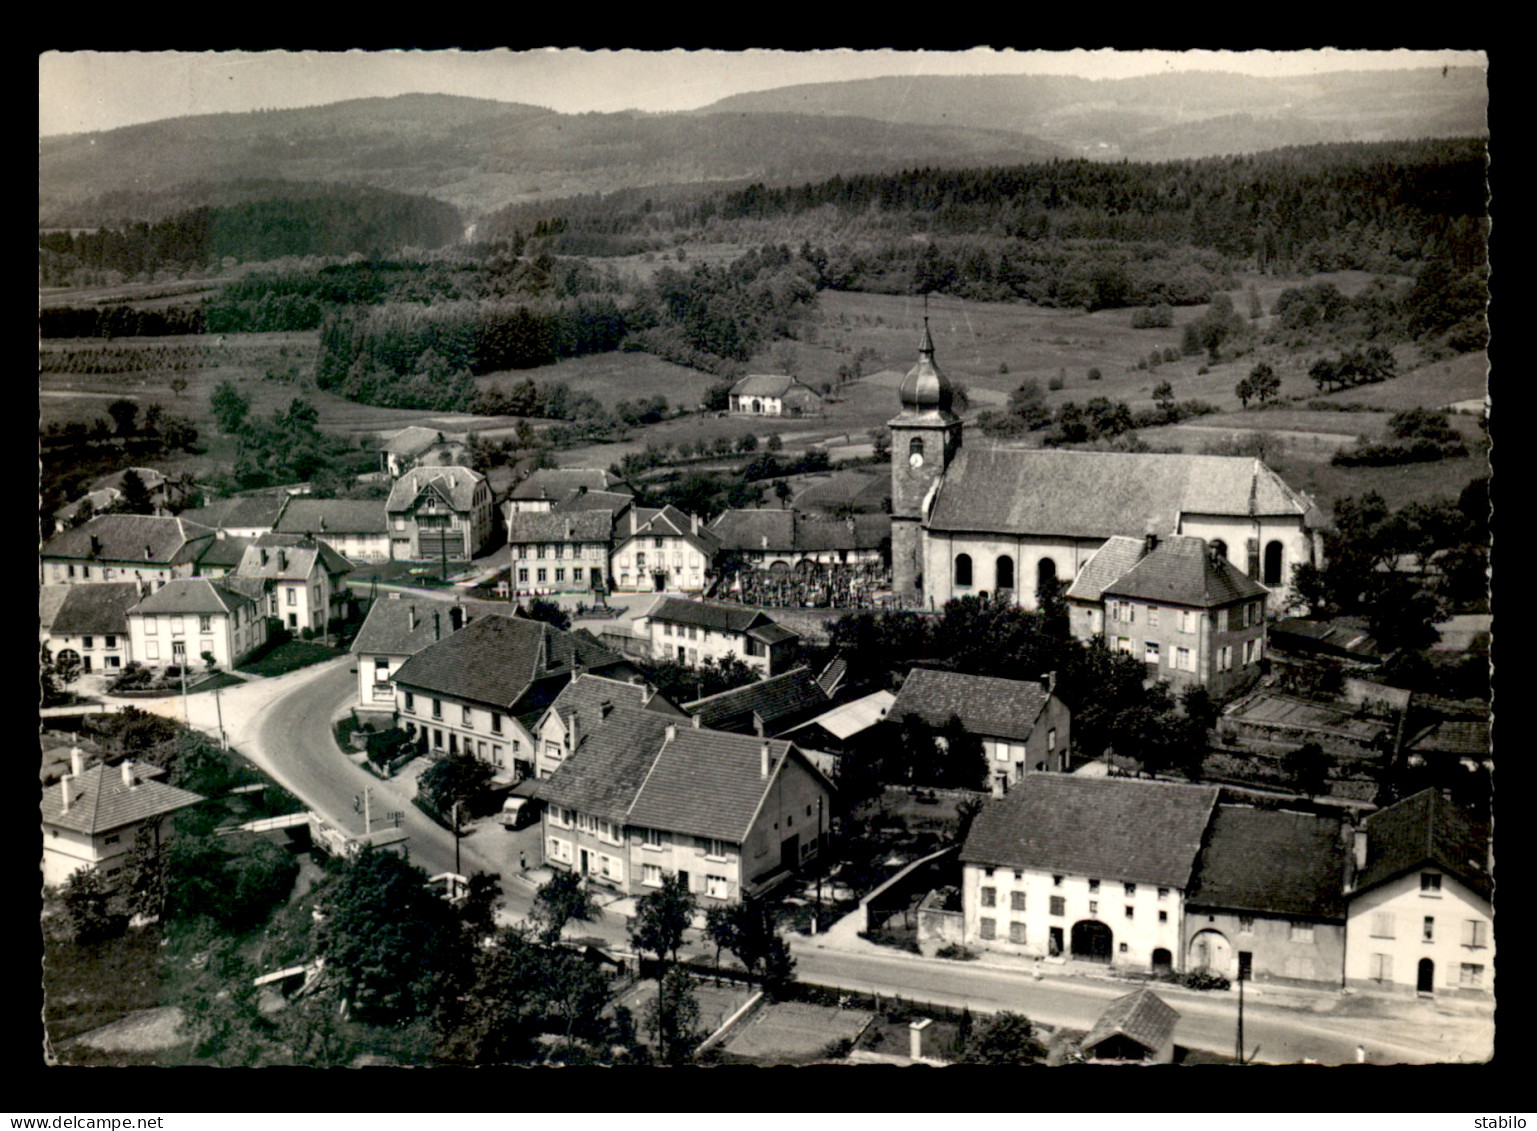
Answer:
(987, 520)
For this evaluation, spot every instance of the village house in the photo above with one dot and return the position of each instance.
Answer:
(223, 555)
(124, 547)
(439, 513)
(1178, 606)
(482, 690)
(244, 516)
(560, 551)
(83, 508)
(1268, 900)
(396, 629)
(1023, 726)
(357, 529)
(302, 578)
(988, 520)
(90, 625)
(547, 487)
(645, 796)
(193, 616)
(1092, 869)
(691, 632)
(781, 539)
(661, 550)
(413, 447)
(768, 707)
(1420, 918)
(93, 817)
(581, 707)
(773, 395)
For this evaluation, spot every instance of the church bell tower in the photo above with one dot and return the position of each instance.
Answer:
(924, 439)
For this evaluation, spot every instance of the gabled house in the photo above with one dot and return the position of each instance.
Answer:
(1267, 902)
(414, 447)
(1419, 913)
(835, 734)
(91, 625)
(1135, 1029)
(185, 618)
(223, 555)
(1023, 726)
(91, 503)
(439, 513)
(691, 632)
(1092, 869)
(766, 538)
(560, 551)
(548, 487)
(482, 690)
(582, 707)
(645, 796)
(659, 550)
(357, 529)
(92, 817)
(397, 627)
(302, 578)
(244, 516)
(768, 707)
(773, 395)
(124, 547)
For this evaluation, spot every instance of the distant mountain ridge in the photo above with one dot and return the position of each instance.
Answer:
(480, 155)
(1187, 114)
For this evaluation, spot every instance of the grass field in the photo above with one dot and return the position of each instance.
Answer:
(614, 377)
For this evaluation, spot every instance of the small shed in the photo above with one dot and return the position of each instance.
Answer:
(1136, 1029)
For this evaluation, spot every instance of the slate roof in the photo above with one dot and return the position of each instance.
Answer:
(388, 631)
(719, 618)
(193, 595)
(789, 531)
(50, 599)
(1425, 829)
(560, 526)
(591, 698)
(987, 705)
(1122, 829)
(497, 659)
(96, 610)
(152, 479)
(99, 500)
(412, 441)
(611, 501)
(456, 484)
(244, 512)
(1467, 738)
(1098, 494)
(1141, 1015)
(1182, 571)
(763, 385)
(334, 516)
(559, 483)
(124, 537)
(1341, 636)
(299, 555)
(778, 701)
(667, 522)
(100, 802)
(702, 782)
(1272, 862)
(1105, 566)
(224, 552)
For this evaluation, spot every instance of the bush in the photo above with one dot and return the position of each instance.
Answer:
(1152, 318)
(838, 1050)
(1056, 383)
(1203, 980)
(955, 952)
(1094, 374)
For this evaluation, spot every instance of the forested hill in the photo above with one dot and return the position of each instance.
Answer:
(480, 155)
(1182, 115)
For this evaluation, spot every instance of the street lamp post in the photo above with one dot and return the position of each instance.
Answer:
(455, 812)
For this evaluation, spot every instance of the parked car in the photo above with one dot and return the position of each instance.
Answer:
(519, 813)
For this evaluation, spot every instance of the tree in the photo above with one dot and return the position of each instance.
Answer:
(775, 443)
(1265, 385)
(234, 881)
(782, 491)
(1028, 403)
(672, 1017)
(1244, 390)
(88, 910)
(965, 759)
(125, 416)
(749, 930)
(557, 902)
(1308, 768)
(1163, 397)
(550, 612)
(499, 1016)
(577, 992)
(231, 407)
(1006, 1038)
(457, 777)
(178, 385)
(136, 496)
(747, 444)
(144, 875)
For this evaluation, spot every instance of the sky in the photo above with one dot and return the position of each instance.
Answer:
(86, 91)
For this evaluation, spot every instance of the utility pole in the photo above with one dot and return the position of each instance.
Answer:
(817, 923)
(223, 741)
(1240, 1015)
(186, 710)
(455, 812)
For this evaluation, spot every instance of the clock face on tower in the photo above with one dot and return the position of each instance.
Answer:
(915, 460)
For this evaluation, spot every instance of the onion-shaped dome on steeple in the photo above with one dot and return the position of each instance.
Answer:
(925, 388)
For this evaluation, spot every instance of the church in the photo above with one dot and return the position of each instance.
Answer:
(974, 521)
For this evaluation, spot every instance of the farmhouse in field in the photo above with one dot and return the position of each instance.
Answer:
(1007, 520)
(769, 395)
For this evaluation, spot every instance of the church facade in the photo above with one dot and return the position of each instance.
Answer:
(988, 520)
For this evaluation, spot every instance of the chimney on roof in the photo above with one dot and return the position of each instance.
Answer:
(283, 560)
(411, 618)
(127, 769)
(1049, 683)
(695, 519)
(632, 520)
(763, 764)
(672, 732)
(582, 490)
(264, 555)
(1149, 540)
(437, 625)
(696, 722)
(76, 761)
(605, 707)
(763, 541)
(568, 530)
(95, 546)
(1360, 848)
(450, 482)
(455, 618)
(64, 792)
(574, 732)
(757, 724)
(322, 523)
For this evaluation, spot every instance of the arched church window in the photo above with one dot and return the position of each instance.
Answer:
(1005, 572)
(1273, 555)
(963, 569)
(1045, 571)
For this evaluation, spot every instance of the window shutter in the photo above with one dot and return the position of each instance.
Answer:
(1252, 546)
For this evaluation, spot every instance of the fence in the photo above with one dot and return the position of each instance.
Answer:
(895, 1007)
